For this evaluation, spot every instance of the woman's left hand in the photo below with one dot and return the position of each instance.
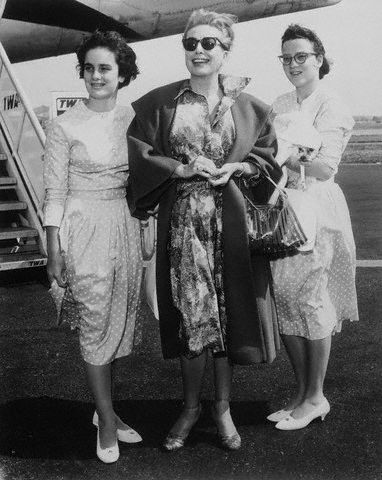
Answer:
(224, 174)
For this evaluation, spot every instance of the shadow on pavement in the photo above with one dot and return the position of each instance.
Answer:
(46, 408)
(52, 428)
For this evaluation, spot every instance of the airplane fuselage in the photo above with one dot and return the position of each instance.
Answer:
(41, 28)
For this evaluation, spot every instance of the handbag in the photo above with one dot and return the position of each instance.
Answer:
(147, 230)
(66, 306)
(274, 229)
(148, 234)
(304, 207)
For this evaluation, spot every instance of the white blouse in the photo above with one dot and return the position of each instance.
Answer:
(329, 116)
(85, 150)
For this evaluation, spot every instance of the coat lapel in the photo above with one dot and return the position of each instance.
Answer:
(244, 338)
(245, 129)
(167, 116)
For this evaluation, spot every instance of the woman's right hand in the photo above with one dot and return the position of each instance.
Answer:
(202, 166)
(56, 269)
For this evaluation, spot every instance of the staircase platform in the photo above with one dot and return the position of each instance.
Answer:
(22, 142)
(15, 261)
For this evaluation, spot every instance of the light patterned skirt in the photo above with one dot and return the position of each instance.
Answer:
(315, 291)
(101, 246)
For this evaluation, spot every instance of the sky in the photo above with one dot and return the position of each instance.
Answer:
(350, 31)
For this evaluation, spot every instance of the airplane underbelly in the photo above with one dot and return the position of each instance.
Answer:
(24, 41)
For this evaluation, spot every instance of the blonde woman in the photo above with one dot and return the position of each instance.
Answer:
(188, 144)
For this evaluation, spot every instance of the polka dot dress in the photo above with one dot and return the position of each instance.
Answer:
(315, 291)
(85, 176)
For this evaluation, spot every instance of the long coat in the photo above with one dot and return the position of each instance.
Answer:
(252, 335)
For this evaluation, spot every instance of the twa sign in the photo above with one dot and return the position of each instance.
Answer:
(62, 101)
(11, 101)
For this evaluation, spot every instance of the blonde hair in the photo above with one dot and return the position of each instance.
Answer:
(221, 21)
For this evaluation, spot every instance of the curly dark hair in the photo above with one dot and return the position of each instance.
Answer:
(113, 41)
(295, 31)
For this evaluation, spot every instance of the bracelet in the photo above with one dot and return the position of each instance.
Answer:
(239, 173)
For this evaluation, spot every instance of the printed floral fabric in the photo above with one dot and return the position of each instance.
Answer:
(195, 247)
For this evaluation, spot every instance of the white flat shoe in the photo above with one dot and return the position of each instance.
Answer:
(279, 415)
(290, 423)
(109, 454)
(124, 435)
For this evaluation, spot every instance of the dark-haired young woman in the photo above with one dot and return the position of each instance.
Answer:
(93, 242)
(314, 291)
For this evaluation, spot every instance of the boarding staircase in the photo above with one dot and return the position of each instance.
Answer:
(22, 241)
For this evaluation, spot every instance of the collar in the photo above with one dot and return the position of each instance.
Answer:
(311, 98)
(230, 85)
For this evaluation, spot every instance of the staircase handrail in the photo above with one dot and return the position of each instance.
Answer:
(2, 6)
(22, 96)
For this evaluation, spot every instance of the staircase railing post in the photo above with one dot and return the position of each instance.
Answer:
(2, 6)
(24, 99)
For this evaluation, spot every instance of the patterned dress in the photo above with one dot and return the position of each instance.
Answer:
(196, 249)
(315, 291)
(85, 175)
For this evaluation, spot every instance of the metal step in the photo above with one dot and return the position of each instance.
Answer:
(10, 205)
(8, 181)
(22, 248)
(17, 232)
(13, 261)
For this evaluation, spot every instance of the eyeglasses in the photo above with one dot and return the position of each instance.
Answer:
(208, 43)
(299, 58)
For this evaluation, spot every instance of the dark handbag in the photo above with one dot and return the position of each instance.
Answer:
(273, 229)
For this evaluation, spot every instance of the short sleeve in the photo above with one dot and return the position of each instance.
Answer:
(56, 167)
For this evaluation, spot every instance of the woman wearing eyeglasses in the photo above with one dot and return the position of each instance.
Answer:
(315, 291)
(188, 142)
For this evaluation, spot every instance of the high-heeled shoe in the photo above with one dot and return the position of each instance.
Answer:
(124, 435)
(290, 423)
(230, 441)
(175, 441)
(109, 454)
(279, 415)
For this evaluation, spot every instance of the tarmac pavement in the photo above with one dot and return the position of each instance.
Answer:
(46, 409)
